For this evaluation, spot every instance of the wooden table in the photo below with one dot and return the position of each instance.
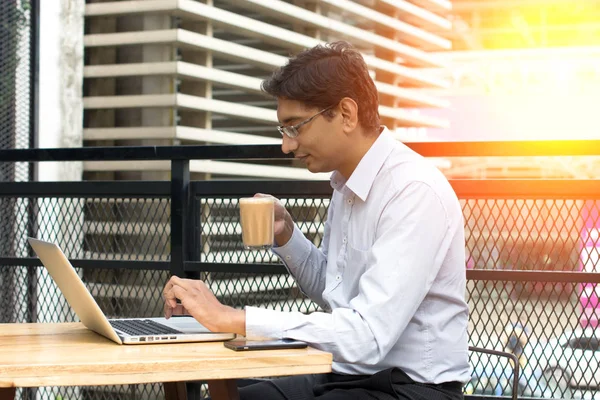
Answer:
(68, 354)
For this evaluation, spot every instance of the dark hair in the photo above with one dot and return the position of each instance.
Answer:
(323, 75)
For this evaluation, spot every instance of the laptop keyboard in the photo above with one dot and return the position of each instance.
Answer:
(141, 327)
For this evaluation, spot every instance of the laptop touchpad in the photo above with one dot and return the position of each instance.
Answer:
(182, 324)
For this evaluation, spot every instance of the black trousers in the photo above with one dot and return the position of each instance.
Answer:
(390, 384)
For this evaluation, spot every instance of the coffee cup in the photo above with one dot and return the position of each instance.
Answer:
(257, 217)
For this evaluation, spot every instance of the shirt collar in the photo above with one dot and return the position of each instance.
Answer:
(361, 180)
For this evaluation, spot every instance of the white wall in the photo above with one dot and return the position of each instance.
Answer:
(49, 86)
(60, 84)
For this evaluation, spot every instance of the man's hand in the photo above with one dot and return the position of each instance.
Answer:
(198, 301)
(284, 225)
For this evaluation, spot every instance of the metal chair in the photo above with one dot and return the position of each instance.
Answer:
(515, 364)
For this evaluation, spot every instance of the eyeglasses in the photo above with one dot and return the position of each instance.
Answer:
(292, 130)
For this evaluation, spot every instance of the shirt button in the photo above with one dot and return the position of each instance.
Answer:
(288, 258)
(344, 240)
(337, 277)
(349, 201)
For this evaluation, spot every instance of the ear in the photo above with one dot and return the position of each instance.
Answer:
(349, 111)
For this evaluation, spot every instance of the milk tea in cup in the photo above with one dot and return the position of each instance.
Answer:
(257, 216)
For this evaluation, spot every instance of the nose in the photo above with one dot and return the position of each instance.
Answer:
(288, 144)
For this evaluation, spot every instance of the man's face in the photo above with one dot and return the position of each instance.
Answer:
(319, 143)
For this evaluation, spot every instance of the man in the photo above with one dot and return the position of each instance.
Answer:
(390, 273)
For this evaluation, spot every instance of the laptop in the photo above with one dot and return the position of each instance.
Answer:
(121, 331)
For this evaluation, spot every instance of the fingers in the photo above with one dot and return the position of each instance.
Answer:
(171, 307)
(168, 289)
(168, 295)
(279, 207)
(184, 283)
(184, 290)
(178, 310)
(268, 196)
(167, 310)
(174, 289)
(196, 300)
(170, 304)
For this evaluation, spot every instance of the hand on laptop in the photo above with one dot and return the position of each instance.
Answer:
(198, 301)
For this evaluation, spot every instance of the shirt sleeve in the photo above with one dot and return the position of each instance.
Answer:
(306, 262)
(411, 243)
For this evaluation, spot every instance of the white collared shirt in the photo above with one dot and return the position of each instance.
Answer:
(390, 272)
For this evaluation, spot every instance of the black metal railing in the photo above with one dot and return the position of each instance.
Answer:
(531, 266)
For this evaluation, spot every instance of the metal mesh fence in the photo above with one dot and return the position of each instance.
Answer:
(15, 125)
(15, 84)
(86, 228)
(221, 231)
(542, 235)
(15, 133)
(543, 322)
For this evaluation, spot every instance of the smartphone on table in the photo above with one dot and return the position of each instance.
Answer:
(244, 344)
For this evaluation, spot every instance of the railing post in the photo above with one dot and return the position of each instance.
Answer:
(180, 185)
(193, 234)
